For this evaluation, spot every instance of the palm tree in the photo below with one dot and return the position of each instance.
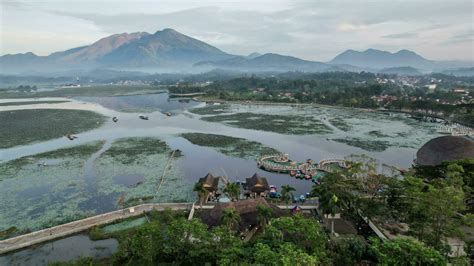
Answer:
(264, 214)
(232, 190)
(201, 191)
(230, 217)
(286, 193)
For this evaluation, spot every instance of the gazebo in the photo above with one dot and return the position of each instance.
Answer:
(257, 185)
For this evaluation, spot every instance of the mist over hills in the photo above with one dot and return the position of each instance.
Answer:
(172, 52)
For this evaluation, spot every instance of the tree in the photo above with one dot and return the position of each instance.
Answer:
(232, 190)
(143, 247)
(405, 251)
(201, 192)
(230, 218)
(264, 214)
(286, 193)
(347, 250)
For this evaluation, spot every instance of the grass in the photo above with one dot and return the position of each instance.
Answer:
(283, 124)
(26, 126)
(211, 109)
(231, 146)
(30, 102)
(130, 150)
(368, 145)
(106, 90)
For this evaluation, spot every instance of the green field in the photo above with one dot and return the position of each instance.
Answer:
(211, 109)
(106, 90)
(26, 126)
(283, 124)
(230, 146)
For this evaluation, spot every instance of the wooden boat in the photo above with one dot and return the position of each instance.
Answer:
(143, 117)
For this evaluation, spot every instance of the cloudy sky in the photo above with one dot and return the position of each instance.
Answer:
(310, 29)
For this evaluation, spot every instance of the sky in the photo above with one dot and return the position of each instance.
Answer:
(309, 29)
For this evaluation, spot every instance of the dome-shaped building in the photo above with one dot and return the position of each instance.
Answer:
(446, 148)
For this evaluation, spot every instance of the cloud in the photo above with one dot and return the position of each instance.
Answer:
(315, 30)
(404, 35)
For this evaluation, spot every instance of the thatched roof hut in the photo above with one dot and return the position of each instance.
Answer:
(257, 184)
(247, 210)
(446, 148)
(210, 182)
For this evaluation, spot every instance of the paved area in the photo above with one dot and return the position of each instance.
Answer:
(81, 225)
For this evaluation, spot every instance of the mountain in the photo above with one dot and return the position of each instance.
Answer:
(402, 71)
(378, 59)
(166, 49)
(266, 62)
(460, 72)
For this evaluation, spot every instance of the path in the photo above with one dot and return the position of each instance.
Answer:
(164, 171)
(63, 230)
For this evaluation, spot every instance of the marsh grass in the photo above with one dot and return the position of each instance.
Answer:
(231, 146)
(107, 90)
(26, 126)
(368, 145)
(130, 150)
(340, 124)
(283, 124)
(30, 102)
(211, 109)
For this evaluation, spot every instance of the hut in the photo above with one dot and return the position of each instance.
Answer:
(446, 148)
(257, 185)
(210, 184)
(247, 210)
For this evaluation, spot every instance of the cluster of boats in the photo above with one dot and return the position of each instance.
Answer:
(273, 194)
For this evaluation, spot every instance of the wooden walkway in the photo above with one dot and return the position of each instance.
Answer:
(63, 230)
(67, 229)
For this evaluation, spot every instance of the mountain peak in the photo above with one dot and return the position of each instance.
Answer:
(376, 59)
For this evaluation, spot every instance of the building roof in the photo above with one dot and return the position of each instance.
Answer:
(246, 208)
(446, 148)
(257, 183)
(210, 182)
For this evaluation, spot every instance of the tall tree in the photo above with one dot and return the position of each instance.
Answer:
(232, 190)
(287, 193)
(230, 218)
(264, 214)
(201, 192)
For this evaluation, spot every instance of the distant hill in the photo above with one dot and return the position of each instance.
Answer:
(403, 71)
(460, 72)
(378, 59)
(267, 62)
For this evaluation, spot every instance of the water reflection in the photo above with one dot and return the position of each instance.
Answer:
(65, 249)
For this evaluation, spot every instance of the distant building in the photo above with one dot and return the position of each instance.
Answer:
(446, 148)
(210, 182)
(431, 87)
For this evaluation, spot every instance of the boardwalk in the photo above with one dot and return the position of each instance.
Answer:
(81, 225)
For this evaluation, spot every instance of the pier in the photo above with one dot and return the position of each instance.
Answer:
(280, 163)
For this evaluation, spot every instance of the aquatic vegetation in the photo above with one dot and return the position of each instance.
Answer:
(379, 134)
(211, 109)
(368, 145)
(283, 124)
(124, 225)
(45, 189)
(42, 160)
(107, 90)
(340, 123)
(231, 146)
(25, 126)
(30, 102)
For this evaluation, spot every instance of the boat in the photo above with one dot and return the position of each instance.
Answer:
(143, 117)
(168, 113)
(115, 119)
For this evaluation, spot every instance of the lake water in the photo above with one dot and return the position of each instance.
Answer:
(81, 191)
